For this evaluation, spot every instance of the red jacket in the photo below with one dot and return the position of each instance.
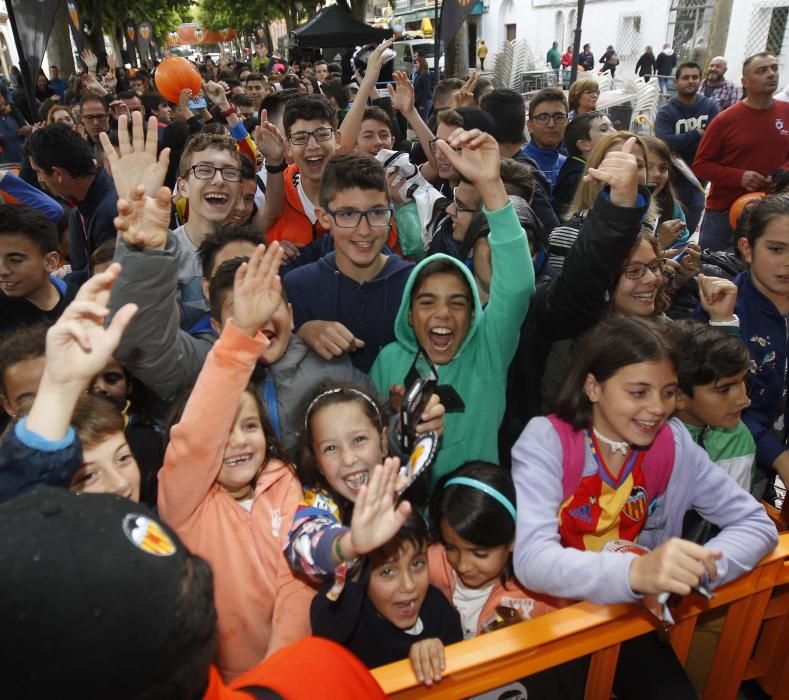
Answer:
(741, 138)
(295, 226)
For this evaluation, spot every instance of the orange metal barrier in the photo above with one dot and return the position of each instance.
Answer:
(753, 644)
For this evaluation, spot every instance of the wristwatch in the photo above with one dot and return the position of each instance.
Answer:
(274, 169)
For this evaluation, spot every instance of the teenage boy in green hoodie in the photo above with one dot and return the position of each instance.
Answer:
(441, 312)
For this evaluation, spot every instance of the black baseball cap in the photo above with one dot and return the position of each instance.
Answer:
(88, 588)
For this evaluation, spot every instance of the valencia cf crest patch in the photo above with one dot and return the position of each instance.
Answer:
(147, 535)
(637, 504)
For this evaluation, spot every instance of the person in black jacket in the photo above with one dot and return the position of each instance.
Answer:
(391, 611)
(610, 60)
(646, 64)
(664, 66)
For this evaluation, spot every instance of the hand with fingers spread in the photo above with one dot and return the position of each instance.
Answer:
(78, 348)
(270, 141)
(90, 60)
(144, 221)
(718, 298)
(428, 660)
(136, 163)
(257, 289)
(675, 566)
(376, 515)
(329, 339)
(618, 171)
(402, 93)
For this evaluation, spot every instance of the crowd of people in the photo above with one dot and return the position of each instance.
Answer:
(394, 372)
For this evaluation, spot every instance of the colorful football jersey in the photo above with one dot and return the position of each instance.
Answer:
(604, 507)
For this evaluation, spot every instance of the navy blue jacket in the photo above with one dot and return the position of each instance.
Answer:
(91, 223)
(319, 291)
(677, 124)
(27, 461)
(764, 331)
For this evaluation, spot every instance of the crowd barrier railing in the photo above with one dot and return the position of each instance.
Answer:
(753, 642)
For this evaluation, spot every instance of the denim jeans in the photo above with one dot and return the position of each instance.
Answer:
(716, 233)
(664, 83)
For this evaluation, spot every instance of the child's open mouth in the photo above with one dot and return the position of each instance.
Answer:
(441, 337)
(355, 481)
(406, 609)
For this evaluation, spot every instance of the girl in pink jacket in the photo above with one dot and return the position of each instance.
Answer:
(227, 489)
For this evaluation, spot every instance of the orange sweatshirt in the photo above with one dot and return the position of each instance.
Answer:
(261, 605)
(294, 225)
(527, 604)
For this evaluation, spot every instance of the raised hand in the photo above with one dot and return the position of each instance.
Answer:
(402, 93)
(78, 345)
(143, 220)
(376, 515)
(475, 155)
(269, 140)
(376, 59)
(216, 93)
(90, 60)
(619, 170)
(465, 96)
(257, 289)
(718, 297)
(135, 163)
(182, 112)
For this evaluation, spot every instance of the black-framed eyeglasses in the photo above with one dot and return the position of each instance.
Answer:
(351, 218)
(300, 138)
(204, 171)
(432, 144)
(545, 117)
(635, 271)
(458, 204)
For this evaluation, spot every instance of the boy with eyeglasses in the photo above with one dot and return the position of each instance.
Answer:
(346, 302)
(547, 122)
(310, 125)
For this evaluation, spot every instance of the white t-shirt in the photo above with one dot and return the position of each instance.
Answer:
(469, 603)
(309, 207)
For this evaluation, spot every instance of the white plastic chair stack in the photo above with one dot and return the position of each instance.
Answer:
(503, 63)
(605, 81)
(646, 101)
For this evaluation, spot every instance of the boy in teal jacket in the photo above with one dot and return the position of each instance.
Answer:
(472, 348)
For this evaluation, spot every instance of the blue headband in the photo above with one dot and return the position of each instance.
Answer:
(481, 486)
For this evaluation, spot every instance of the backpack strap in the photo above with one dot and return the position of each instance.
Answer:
(661, 462)
(573, 455)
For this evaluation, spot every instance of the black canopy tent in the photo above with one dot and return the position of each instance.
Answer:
(334, 27)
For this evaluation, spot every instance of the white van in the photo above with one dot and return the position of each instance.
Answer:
(405, 49)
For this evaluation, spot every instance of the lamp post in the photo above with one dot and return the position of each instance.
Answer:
(436, 43)
(577, 41)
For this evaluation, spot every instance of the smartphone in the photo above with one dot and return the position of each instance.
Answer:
(198, 103)
(681, 256)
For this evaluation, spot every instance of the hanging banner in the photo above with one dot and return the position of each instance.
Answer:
(130, 33)
(453, 14)
(144, 35)
(31, 25)
(75, 23)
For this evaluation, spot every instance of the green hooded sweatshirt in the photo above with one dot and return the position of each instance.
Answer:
(478, 372)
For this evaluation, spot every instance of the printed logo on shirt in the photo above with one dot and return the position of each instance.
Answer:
(685, 126)
(147, 535)
(582, 513)
(779, 124)
(637, 504)
(523, 606)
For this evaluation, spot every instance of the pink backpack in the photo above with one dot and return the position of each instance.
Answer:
(660, 455)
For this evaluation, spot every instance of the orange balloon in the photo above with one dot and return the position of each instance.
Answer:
(175, 74)
(740, 204)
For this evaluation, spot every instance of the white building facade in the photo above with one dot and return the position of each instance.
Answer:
(631, 25)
